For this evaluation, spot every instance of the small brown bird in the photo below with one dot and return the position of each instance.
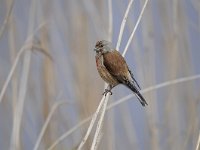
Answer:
(113, 69)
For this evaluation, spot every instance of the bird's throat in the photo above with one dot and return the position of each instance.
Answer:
(99, 60)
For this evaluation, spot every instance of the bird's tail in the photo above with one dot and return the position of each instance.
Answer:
(137, 93)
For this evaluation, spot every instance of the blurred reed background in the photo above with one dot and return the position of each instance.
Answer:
(48, 46)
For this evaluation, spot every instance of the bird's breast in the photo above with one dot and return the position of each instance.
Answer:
(103, 72)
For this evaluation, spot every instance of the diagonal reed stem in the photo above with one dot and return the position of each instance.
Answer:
(122, 100)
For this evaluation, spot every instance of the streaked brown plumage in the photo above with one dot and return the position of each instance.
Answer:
(113, 69)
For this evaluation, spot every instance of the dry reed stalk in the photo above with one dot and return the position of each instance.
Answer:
(49, 84)
(48, 119)
(94, 117)
(104, 99)
(12, 44)
(100, 122)
(122, 100)
(172, 51)
(135, 28)
(96, 139)
(121, 31)
(6, 20)
(15, 138)
(99, 125)
(198, 142)
(27, 45)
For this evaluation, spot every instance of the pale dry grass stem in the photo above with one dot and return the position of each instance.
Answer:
(100, 122)
(163, 57)
(19, 108)
(104, 100)
(99, 125)
(135, 28)
(28, 45)
(66, 134)
(121, 31)
(94, 117)
(198, 142)
(120, 101)
(48, 119)
(6, 20)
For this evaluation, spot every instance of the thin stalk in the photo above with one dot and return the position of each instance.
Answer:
(121, 31)
(99, 125)
(135, 28)
(91, 123)
(54, 108)
(122, 100)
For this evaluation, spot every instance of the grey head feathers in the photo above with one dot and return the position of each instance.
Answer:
(103, 46)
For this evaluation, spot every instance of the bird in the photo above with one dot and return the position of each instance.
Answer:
(114, 70)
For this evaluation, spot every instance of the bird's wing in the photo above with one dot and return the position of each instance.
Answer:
(134, 79)
(116, 65)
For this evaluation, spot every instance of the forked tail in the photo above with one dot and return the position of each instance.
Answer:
(137, 93)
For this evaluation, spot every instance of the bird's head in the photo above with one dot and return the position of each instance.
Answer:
(103, 47)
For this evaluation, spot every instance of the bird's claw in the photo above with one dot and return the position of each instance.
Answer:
(106, 92)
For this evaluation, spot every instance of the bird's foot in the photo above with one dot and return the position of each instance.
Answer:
(107, 91)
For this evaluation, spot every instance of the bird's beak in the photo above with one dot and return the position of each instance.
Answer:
(95, 49)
